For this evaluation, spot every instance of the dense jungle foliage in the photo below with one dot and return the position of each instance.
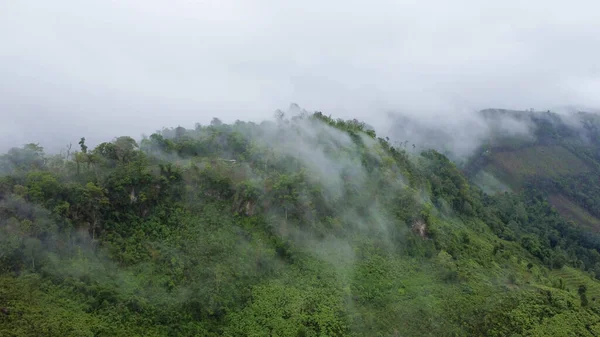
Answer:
(560, 167)
(302, 226)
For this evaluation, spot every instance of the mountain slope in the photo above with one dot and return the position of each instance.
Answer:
(306, 226)
(562, 161)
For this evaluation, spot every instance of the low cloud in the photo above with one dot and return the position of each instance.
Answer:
(102, 69)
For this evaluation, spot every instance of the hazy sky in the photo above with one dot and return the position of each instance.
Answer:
(102, 68)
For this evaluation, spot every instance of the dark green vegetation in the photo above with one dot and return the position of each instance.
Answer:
(301, 227)
(559, 167)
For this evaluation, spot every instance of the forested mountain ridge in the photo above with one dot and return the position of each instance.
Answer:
(303, 226)
(559, 163)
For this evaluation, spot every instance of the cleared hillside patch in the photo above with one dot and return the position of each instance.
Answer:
(573, 278)
(514, 182)
(542, 161)
(489, 183)
(574, 212)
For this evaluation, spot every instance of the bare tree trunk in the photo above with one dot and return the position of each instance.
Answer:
(69, 150)
(94, 229)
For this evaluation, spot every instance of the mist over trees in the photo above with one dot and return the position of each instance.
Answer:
(304, 225)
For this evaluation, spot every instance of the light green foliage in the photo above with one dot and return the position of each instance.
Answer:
(306, 226)
(291, 310)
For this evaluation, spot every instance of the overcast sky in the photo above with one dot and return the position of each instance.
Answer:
(102, 68)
